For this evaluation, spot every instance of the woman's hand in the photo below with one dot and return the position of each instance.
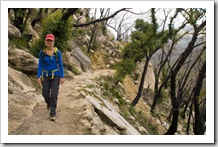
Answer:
(61, 81)
(39, 81)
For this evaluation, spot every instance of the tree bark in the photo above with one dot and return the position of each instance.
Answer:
(199, 123)
(91, 38)
(173, 127)
(135, 101)
(69, 12)
(189, 119)
(38, 18)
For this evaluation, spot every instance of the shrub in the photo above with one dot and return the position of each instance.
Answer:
(110, 90)
(73, 69)
(163, 96)
(21, 43)
(61, 30)
(125, 67)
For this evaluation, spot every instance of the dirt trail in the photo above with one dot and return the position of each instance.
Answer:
(71, 110)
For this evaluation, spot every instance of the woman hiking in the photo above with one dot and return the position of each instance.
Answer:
(50, 74)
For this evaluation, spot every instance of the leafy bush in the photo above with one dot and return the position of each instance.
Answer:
(106, 85)
(163, 96)
(110, 90)
(61, 30)
(73, 69)
(125, 67)
(94, 46)
(20, 43)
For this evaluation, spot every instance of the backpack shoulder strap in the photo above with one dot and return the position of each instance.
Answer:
(56, 53)
(43, 54)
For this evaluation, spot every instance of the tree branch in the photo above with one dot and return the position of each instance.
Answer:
(101, 19)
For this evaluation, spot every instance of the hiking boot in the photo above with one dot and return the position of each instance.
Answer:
(52, 118)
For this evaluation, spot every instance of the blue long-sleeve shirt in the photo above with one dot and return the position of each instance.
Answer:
(49, 63)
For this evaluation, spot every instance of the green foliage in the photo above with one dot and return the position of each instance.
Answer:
(164, 72)
(132, 110)
(145, 41)
(20, 43)
(195, 15)
(37, 46)
(73, 69)
(106, 85)
(163, 96)
(20, 16)
(125, 67)
(90, 86)
(154, 21)
(94, 46)
(152, 128)
(61, 30)
(117, 94)
(133, 51)
(143, 120)
(109, 90)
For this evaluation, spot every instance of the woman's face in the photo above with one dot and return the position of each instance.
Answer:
(49, 43)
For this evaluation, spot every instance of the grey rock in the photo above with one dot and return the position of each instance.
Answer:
(111, 116)
(22, 60)
(13, 32)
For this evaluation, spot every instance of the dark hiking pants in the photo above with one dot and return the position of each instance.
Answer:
(50, 88)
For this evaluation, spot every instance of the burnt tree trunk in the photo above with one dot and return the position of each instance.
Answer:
(199, 122)
(69, 12)
(135, 101)
(175, 103)
(38, 18)
(91, 38)
(173, 127)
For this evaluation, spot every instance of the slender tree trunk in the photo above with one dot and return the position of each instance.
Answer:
(91, 38)
(199, 123)
(135, 101)
(189, 119)
(69, 12)
(173, 127)
(186, 107)
(38, 18)
(157, 94)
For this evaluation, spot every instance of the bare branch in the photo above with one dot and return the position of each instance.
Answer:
(99, 20)
(142, 13)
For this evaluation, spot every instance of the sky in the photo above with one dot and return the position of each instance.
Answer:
(144, 14)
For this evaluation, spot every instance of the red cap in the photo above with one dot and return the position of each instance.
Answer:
(50, 37)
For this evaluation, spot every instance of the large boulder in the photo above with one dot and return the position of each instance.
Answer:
(18, 81)
(22, 60)
(13, 32)
(82, 19)
(149, 81)
(77, 58)
(109, 114)
(22, 98)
